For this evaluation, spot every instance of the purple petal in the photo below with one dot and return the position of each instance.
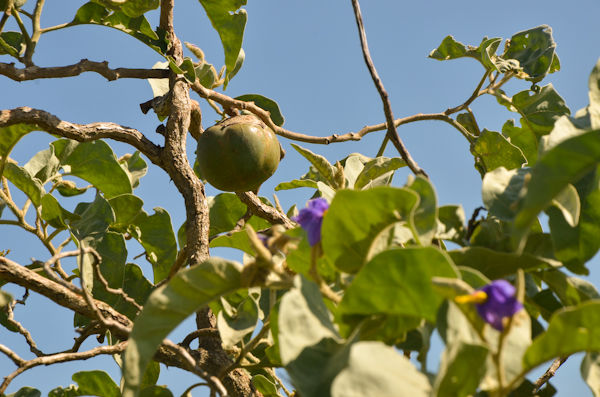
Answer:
(311, 219)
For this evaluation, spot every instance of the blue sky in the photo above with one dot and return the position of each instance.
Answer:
(306, 56)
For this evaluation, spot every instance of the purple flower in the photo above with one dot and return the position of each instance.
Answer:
(311, 218)
(500, 302)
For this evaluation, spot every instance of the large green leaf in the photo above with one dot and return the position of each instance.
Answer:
(9, 136)
(378, 370)
(535, 50)
(501, 191)
(265, 103)
(126, 208)
(299, 260)
(54, 213)
(571, 290)
(590, 372)
(522, 137)
(132, 8)
(574, 245)
(168, 306)
(540, 109)
(495, 264)
(96, 383)
(156, 235)
(132, 24)
(570, 330)
(94, 162)
(229, 20)
(226, 209)
(566, 163)
(25, 182)
(461, 369)
(234, 326)
(492, 150)
(398, 281)
(484, 53)
(43, 165)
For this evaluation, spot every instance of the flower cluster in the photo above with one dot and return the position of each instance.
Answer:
(311, 219)
(494, 302)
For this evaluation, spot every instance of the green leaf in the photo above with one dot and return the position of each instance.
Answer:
(135, 167)
(95, 218)
(571, 290)
(594, 95)
(267, 104)
(96, 163)
(155, 391)
(574, 246)
(11, 135)
(25, 182)
(26, 392)
(96, 383)
(11, 43)
(493, 150)
(264, 385)
(242, 322)
(226, 209)
(462, 367)
(132, 8)
(156, 235)
(468, 121)
(540, 109)
(43, 165)
(566, 163)
(299, 260)
(136, 286)
(229, 20)
(502, 191)
(451, 223)
(425, 215)
(567, 202)
(495, 264)
(484, 53)
(168, 306)
(590, 371)
(524, 138)
(134, 25)
(5, 299)
(355, 218)
(238, 240)
(570, 330)
(321, 164)
(376, 170)
(55, 214)
(126, 208)
(376, 369)
(535, 51)
(207, 74)
(398, 281)
(296, 183)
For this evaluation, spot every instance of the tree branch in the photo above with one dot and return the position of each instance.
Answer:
(387, 107)
(550, 372)
(61, 358)
(81, 132)
(35, 72)
(264, 211)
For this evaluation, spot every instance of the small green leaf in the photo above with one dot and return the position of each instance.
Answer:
(126, 208)
(424, 217)
(54, 213)
(321, 164)
(265, 386)
(267, 104)
(451, 223)
(571, 290)
(44, 165)
(96, 383)
(242, 322)
(522, 137)
(493, 150)
(539, 109)
(495, 264)
(355, 218)
(132, 8)
(226, 209)
(95, 218)
(229, 20)
(168, 306)
(502, 191)
(296, 183)
(376, 170)
(568, 204)
(398, 281)
(238, 240)
(570, 330)
(135, 167)
(535, 51)
(158, 239)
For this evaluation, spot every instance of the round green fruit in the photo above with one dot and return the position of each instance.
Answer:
(238, 154)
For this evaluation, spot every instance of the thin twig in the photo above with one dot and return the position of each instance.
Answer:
(198, 334)
(47, 268)
(23, 331)
(115, 291)
(60, 358)
(248, 348)
(387, 107)
(12, 355)
(550, 372)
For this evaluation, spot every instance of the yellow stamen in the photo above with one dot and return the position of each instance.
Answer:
(475, 297)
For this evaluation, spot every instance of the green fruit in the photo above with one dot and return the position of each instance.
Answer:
(16, 3)
(238, 154)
